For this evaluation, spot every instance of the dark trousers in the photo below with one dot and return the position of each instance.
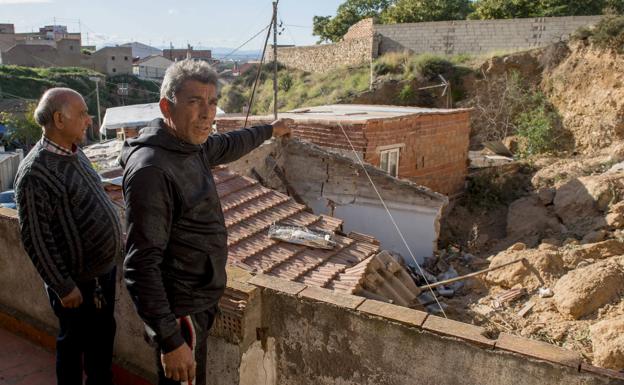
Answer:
(195, 330)
(86, 335)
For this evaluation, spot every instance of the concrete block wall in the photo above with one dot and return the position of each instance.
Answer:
(434, 150)
(478, 36)
(325, 57)
(365, 41)
(319, 337)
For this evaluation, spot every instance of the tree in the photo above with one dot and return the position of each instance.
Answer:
(505, 9)
(22, 127)
(329, 28)
(414, 11)
(508, 9)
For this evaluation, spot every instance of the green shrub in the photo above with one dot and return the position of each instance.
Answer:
(429, 66)
(407, 95)
(608, 33)
(536, 126)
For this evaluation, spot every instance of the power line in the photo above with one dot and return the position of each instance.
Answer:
(246, 42)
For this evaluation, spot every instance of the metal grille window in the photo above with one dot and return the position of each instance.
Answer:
(390, 161)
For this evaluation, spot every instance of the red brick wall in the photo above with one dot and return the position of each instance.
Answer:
(321, 134)
(435, 151)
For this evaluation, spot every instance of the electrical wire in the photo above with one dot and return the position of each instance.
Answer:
(396, 226)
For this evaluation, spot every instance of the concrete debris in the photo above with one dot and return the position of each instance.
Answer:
(541, 265)
(526, 309)
(508, 297)
(594, 236)
(582, 291)
(302, 236)
(387, 278)
(545, 292)
(615, 217)
(572, 255)
(582, 202)
(607, 339)
(528, 216)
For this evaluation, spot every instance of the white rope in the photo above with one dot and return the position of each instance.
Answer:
(392, 218)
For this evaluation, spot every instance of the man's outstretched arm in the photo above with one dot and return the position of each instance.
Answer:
(230, 146)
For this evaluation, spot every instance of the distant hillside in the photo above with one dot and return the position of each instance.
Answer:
(29, 83)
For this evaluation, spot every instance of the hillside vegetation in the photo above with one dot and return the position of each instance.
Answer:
(18, 82)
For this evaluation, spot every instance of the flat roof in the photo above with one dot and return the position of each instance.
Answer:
(358, 113)
(137, 115)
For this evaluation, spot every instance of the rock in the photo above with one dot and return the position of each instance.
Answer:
(615, 217)
(618, 167)
(528, 216)
(582, 202)
(582, 291)
(571, 241)
(594, 236)
(617, 153)
(608, 343)
(540, 265)
(511, 142)
(546, 195)
(601, 250)
(517, 247)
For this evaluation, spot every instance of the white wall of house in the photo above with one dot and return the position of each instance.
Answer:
(153, 68)
(418, 224)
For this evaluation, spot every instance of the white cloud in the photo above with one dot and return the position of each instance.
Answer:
(170, 11)
(6, 2)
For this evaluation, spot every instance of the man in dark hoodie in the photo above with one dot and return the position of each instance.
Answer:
(176, 248)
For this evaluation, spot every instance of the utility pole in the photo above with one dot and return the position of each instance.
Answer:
(275, 60)
(97, 97)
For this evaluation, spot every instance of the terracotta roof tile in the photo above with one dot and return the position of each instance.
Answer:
(250, 209)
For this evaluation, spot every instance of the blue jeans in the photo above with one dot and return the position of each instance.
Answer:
(86, 335)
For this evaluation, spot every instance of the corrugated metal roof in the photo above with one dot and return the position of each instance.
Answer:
(138, 115)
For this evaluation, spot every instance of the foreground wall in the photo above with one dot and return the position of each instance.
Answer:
(289, 333)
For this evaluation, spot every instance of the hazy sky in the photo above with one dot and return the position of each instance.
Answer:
(157, 22)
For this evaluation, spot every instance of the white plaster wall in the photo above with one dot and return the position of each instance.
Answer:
(418, 227)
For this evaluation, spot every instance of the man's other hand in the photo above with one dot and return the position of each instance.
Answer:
(179, 364)
(281, 127)
(73, 299)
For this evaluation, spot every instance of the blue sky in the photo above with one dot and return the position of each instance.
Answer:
(157, 22)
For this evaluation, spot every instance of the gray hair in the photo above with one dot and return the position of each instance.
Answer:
(53, 100)
(184, 70)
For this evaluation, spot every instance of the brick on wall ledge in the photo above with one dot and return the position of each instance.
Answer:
(539, 350)
(392, 312)
(277, 284)
(461, 330)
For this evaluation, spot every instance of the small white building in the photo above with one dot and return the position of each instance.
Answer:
(152, 68)
(141, 50)
(132, 117)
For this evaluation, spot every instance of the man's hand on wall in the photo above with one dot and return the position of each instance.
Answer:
(73, 299)
(281, 127)
(179, 364)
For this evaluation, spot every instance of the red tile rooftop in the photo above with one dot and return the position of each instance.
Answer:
(250, 209)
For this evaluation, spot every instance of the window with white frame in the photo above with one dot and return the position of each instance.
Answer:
(390, 161)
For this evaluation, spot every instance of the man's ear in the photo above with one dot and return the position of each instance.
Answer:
(165, 107)
(59, 120)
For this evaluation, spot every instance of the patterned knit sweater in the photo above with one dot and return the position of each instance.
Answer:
(69, 226)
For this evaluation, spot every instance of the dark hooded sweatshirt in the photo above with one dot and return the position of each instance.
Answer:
(176, 249)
